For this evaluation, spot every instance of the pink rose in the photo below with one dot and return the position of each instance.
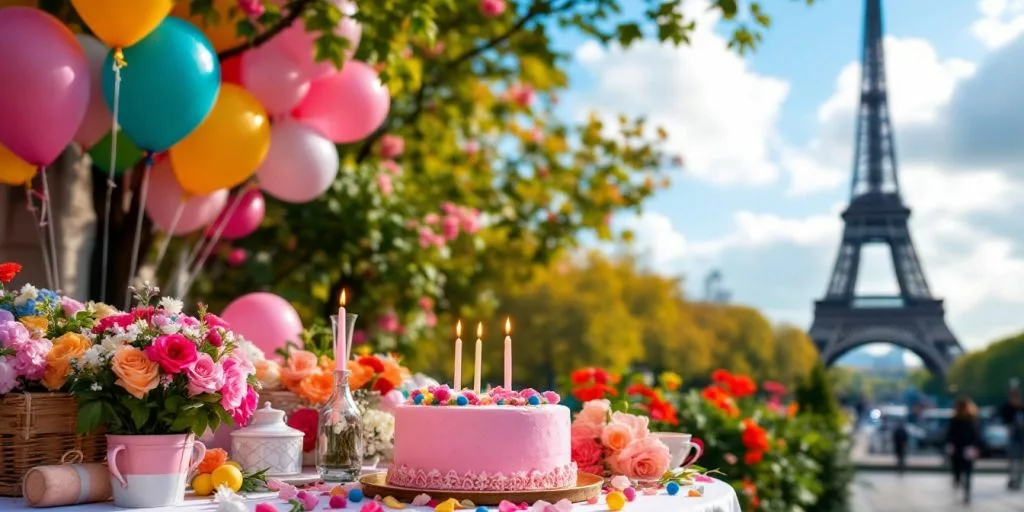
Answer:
(638, 425)
(205, 376)
(173, 352)
(252, 8)
(492, 8)
(595, 412)
(234, 391)
(243, 413)
(586, 452)
(70, 306)
(392, 167)
(644, 459)
(384, 184)
(213, 320)
(388, 322)
(616, 437)
(583, 430)
(13, 334)
(8, 375)
(237, 256)
(391, 146)
(30, 360)
(431, 218)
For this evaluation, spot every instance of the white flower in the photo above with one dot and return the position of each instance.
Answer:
(171, 305)
(170, 328)
(228, 501)
(246, 348)
(27, 293)
(191, 332)
(96, 386)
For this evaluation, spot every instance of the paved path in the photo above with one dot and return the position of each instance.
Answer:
(930, 492)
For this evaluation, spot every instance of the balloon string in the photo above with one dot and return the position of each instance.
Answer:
(111, 184)
(137, 241)
(170, 233)
(30, 204)
(47, 204)
(197, 266)
(119, 61)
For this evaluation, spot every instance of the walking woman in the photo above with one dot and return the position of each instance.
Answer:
(963, 443)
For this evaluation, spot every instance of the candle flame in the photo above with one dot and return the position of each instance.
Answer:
(458, 329)
(480, 330)
(508, 326)
(341, 297)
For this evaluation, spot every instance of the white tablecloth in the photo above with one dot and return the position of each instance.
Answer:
(718, 497)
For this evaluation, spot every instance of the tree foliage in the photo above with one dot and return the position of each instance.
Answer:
(985, 374)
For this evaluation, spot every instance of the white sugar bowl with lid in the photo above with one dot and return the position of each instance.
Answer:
(268, 443)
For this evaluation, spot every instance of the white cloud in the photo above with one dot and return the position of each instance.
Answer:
(657, 240)
(1002, 21)
(720, 114)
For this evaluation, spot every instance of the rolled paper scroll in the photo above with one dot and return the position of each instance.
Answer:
(66, 484)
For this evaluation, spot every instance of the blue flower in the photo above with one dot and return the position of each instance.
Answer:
(27, 308)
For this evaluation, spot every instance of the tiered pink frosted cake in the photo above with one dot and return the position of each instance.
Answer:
(500, 441)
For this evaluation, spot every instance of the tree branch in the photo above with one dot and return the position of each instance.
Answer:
(296, 7)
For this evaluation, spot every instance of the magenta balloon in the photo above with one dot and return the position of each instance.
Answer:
(347, 106)
(165, 196)
(301, 45)
(265, 319)
(245, 219)
(300, 165)
(274, 78)
(45, 87)
(97, 121)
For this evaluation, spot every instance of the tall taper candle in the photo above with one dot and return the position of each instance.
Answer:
(457, 381)
(476, 362)
(508, 354)
(340, 341)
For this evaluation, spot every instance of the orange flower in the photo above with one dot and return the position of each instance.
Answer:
(721, 399)
(326, 363)
(300, 365)
(793, 409)
(214, 458)
(316, 388)
(136, 373)
(358, 375)
(36, 325)
(66, 348)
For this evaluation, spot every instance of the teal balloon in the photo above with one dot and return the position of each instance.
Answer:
(168, 87)
(128, 154)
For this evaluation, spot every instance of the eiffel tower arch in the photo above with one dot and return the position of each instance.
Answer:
(912, 319)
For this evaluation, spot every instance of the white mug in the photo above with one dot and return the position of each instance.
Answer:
(680, 446)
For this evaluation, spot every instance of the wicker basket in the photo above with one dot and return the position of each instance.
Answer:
(282, 400)
(37, 429)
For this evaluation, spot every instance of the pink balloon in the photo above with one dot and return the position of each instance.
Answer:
(245, 219)
(300, 45)
(97, 121)
(166, 195)
(265, 319)
(347, 106)
(45, 89)
(274, 78)
(300, 165)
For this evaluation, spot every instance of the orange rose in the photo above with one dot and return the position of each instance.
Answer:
(616, 437)
(316, 388)
(36, 325)
(326, 363)
(68, 347)
(358, 375)
(394, 372)
(214, 458)
(138, 375)
(268, 372)
(300, 365)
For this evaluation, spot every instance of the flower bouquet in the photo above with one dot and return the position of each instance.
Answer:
(610, 444)
(40, 337)
(156, 378)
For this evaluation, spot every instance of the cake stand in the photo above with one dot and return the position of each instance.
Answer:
(587, 486)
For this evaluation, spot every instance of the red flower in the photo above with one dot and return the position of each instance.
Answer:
(143, 313)
(582, 376)
(372, 362)
(123, 320)
(384, 386)
(753, 457)
(600, 376)
(750, 489)
(721, 399)
(774, 388)
(8, 271)
(754, 437)
(305, 420)
(641, 390)
(663, 411)
(721, 376)
(741, 386)
(593, 392)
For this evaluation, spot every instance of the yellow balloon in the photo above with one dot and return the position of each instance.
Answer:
(122, 23)
(223, 34)
(227, 148)
(17, 3)
(14, 170)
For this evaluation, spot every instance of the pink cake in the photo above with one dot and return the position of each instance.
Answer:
(484, 447)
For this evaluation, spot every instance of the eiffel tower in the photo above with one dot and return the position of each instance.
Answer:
(914, 319)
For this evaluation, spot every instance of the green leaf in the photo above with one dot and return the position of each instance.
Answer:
(89, 416)
(200, 423)
(627, 33)
(139, 411)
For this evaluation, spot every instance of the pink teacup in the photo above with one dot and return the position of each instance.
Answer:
(684, 449)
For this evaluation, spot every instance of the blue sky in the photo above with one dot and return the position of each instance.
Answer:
(767, 140)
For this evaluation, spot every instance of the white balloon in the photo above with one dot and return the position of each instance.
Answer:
(300, 165)
(97, 121)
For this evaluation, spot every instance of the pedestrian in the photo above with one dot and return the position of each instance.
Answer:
(1012, 414)
(963, 443)
(900, 437)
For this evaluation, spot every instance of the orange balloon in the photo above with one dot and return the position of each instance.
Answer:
(122, 23)
(14, 170)
(223, 33)
(18, 3)
(227, 148)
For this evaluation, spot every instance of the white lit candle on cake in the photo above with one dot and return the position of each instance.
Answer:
(457, 382)
(476, 360)
(340, 343)
(508, 354)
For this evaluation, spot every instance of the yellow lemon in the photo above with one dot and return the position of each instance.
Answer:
(202, 484)
(228, 476)
(233, 463)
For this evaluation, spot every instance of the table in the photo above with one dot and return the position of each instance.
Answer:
(718, 497)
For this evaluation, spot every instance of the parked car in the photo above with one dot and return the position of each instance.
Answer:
(935, 423)
(997, 439)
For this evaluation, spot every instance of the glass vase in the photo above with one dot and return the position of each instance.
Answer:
(339, 445)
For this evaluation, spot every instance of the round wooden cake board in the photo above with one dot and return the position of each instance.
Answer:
(587, 486)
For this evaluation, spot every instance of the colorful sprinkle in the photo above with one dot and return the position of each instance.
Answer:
(534, 400)
(461, 400)
(449, 505)
(620, 482)
(391, 502)
(371, 506)
(528, 392)
(694, 493)
(428, 399)
(593, 500)
(339, 490)
(355, 495)
(417, 399)
(630, 493)
(507, 506)
(650, 491)
(337, 501)
(616, 500)
(672, 488)
(467, 504)
(551, 397)
(421, 500)
(481, 509)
